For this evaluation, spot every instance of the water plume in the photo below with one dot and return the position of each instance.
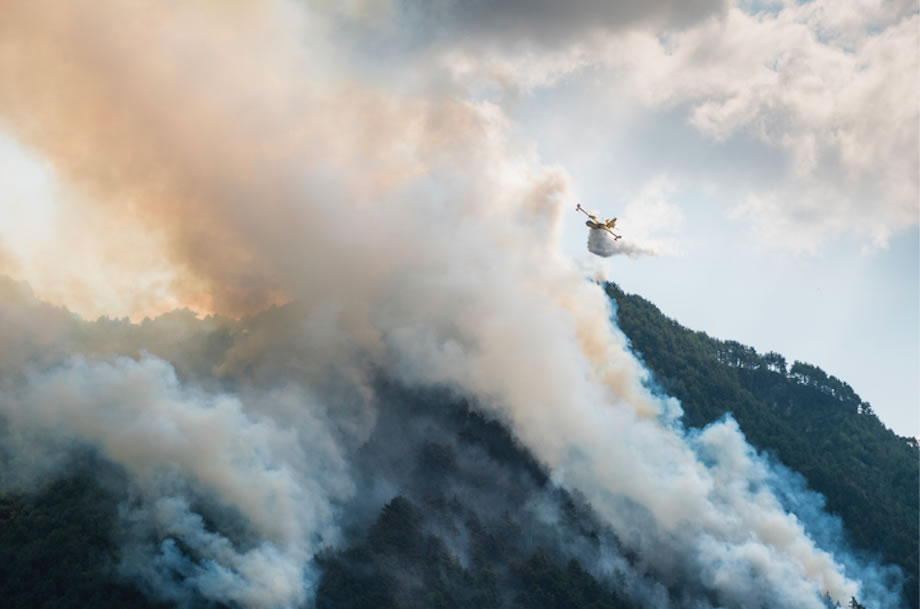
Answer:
(602, 243)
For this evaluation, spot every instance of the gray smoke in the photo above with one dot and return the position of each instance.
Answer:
(178, 444)
(699, 508)
(407, 235)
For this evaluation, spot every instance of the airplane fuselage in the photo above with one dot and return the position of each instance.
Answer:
(601, 226)
(592, 222)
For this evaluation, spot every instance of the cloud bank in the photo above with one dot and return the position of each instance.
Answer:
(819, 93)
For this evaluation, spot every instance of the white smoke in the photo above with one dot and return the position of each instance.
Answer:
(416, 239)
(180, 445)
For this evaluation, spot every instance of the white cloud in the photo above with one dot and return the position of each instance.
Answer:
(831, 86)
(653, 219)
(838, 99)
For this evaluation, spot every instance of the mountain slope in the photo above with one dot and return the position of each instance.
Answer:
(449, 509)
(476, 522)
(813, 423)
(58, 545)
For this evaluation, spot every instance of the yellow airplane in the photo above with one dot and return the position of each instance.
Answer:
(606, 225)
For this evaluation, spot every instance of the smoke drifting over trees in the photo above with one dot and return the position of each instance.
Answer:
(309, 208)
(241, 476)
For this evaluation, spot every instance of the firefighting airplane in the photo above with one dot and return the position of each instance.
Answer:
(593, 222)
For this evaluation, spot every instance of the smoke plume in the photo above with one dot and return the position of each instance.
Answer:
(409, 235)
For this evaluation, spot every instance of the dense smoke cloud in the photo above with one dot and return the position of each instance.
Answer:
(177, 444)
(414, 240)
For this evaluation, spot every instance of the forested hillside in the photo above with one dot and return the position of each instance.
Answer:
(464, 530)
(58, 544)
(813, 423)
(470, 527)
(452, 512)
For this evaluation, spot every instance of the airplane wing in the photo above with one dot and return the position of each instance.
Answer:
(582, 210)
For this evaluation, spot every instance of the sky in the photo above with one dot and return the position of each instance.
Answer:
(818, 261)
(767, 151)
